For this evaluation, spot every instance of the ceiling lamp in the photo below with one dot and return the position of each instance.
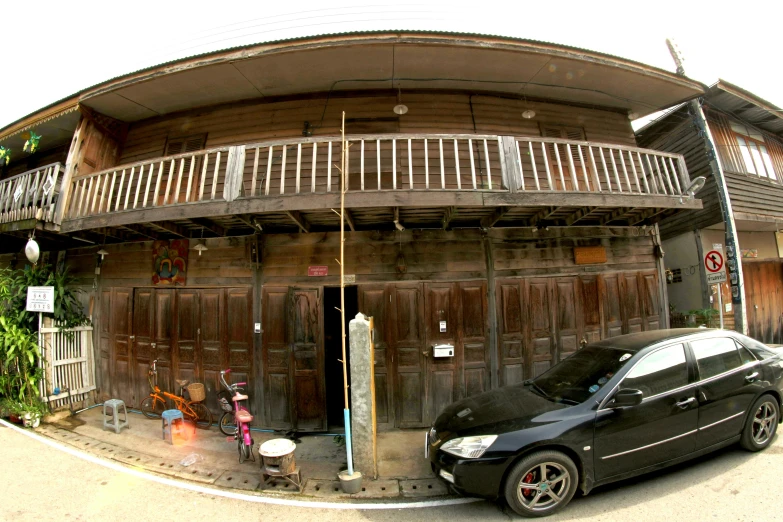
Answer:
(102, 252)
(200, 247)
(31, 250)
(400, 108)
(529, 114)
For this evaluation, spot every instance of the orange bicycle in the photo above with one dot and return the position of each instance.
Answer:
(155, 404)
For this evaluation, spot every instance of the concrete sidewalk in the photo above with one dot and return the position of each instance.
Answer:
(404, 473)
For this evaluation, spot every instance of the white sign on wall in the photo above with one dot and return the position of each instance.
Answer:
(40, 299)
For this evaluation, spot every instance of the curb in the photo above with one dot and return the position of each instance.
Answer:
(224, 488)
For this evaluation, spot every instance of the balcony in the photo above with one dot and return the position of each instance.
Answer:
(418, 181)
(30, 197)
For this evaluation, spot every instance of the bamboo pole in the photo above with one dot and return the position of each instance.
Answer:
(346, 411)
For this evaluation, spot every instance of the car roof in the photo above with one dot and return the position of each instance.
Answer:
(636, 342)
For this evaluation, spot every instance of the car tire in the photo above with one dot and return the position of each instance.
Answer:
(761, 424)
(545, 496)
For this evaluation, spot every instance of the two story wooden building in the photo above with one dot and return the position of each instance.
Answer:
(741, 156)
(496, 198)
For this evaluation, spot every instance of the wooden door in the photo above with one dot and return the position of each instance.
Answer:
(185, 361)
(276, 355)
(613, 316)
(106, 346)
(163, 323)
(764, 293)
(473, 337)
(306, 342)
(238, 334)
(211, 347)
(373, 300)
(568, 308)
(512, 356)
(442, 326)
(651, 300)
(143, 341)
(120, 327)
(541, 324)
(631, 303)
(591, 320)
(409, 346)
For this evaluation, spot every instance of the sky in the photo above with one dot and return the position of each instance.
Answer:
(52, 49)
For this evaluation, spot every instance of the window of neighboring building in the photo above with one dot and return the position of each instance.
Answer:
(754, 151)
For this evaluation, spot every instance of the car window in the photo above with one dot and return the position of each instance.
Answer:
(745, 354)
(659, 372)
(758, 349)
(715, 356)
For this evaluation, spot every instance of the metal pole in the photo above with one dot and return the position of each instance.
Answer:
(720, 303)
(346, 411)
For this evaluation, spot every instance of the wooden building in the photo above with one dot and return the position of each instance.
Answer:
(746, 135)
(496, 198)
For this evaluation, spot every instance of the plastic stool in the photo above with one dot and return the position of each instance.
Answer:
(167, 424)
(115, 423)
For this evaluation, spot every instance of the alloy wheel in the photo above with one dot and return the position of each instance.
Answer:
(763, 423)
(543, 486)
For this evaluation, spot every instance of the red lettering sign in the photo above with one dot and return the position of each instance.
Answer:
(317, 271)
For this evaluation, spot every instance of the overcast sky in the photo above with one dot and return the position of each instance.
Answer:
(53, 49)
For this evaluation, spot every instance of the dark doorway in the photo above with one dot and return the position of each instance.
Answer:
(333, 350)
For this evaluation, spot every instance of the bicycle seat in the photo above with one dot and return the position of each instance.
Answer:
(243, 416)
(239, 397)
(182, 382)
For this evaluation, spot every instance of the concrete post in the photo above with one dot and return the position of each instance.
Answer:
(365, 455)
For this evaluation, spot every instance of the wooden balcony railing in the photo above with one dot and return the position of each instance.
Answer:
(387, 163)
(31, 195)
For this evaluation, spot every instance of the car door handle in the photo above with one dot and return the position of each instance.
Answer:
(684, 404)
(752, 377)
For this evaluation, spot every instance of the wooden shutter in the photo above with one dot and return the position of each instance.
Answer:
(566, 133)
(184, 145)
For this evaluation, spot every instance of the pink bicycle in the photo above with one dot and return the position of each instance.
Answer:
(239, 429)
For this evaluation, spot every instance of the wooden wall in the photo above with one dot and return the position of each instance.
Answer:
(371, 113)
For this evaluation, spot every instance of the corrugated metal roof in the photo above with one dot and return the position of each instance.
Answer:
(333, 35)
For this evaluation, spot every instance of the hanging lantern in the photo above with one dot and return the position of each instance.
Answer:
(32, 251)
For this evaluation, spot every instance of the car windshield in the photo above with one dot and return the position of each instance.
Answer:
(578, 377)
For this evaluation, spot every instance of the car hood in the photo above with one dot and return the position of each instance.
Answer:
(505, 409)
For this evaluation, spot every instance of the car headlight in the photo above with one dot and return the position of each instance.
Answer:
(469, 447)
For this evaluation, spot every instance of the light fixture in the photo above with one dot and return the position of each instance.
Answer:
(32, 250)
(201, 247)
(400, 108)
(696, 185)
(633, 115)
(529, 114)
(102, 252)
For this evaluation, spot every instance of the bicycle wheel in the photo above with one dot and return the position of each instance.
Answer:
(244, 450)
(152, 407)
(227, 424)
(199, 414)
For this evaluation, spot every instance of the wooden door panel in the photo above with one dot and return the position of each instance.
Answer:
(567, 314)
(372, 303)
(276, 356)
(163, 321)
(651, 299)
(632, 311)
(541, 328)
(410, 363)
(185, 360)
(474, 340)
(443, 376)
(105, 348)
(120, 328)
(143, 340)
(613, 318)
(591, 309)
(308, 359)
(510, 331)
(211, 349)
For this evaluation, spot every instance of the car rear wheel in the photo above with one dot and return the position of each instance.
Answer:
(541, 484)
(761, 424)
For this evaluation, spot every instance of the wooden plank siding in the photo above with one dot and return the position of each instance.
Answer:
(677, 135)
(428, 113)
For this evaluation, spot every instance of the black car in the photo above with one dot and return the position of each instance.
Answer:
(616, 408)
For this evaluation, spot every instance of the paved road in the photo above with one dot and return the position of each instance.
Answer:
(41, 483)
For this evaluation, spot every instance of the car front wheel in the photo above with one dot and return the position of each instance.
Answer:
(541, 484)
(761, 424)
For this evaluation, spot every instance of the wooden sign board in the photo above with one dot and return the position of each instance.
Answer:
(589, 255)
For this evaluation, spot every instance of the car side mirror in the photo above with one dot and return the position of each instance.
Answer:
(626, 397)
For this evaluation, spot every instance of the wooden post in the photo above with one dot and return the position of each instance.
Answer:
(70, 167)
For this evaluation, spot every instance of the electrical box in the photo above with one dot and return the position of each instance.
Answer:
(443, 350)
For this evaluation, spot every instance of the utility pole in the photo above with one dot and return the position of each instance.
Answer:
(732, 245)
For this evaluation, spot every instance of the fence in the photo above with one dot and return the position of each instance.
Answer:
(69, 366)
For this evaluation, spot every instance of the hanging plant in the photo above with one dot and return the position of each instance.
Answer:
(32, 141)
(5, 154)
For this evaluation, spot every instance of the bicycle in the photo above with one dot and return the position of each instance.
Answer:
(153, 406)
(227, 424)
(242, 418)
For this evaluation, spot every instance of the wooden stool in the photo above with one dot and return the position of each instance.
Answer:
(277, 461)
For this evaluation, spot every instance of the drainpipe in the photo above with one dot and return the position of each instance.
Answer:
(738, 288)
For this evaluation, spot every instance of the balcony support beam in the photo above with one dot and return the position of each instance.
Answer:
(297, 218)
(497, 215)
(210, 225)
(349, 219)
(142, 231)
(448, 214)
(171, 228)
(579, 214)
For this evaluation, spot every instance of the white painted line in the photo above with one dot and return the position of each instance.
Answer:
(231, 494)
